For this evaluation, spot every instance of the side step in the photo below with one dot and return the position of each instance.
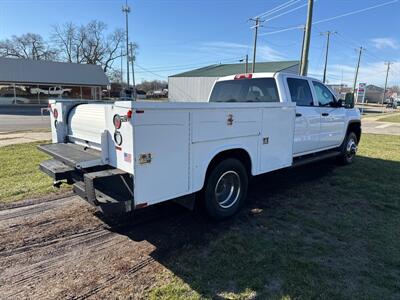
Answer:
(314, 158)
(56, 169)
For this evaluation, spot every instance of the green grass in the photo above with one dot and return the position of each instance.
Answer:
(393, 119)
(19, 174)
(318, 232)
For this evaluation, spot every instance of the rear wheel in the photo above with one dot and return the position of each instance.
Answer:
(348, 149)
(225, 189)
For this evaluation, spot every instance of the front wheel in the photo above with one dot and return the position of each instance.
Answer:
(225, 189)
(348, 149)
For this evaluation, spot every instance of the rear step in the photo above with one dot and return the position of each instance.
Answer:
(73, 155)
(56, 169)
(314, 158)
(112, 188)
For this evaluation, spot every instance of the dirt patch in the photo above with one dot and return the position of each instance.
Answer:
(61, 249)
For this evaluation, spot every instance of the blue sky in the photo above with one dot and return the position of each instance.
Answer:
(178, 35)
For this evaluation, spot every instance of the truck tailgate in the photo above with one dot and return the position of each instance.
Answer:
(73, 155)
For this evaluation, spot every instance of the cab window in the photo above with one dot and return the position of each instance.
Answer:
(300, 92)
(323, 94)
(245, 90)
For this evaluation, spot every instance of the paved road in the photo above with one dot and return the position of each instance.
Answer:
(22, 118)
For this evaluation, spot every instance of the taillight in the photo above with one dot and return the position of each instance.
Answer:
(117, 121)
(55, 113)
(243, 76)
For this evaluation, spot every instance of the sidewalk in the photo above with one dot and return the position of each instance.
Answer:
(371, 124)
(23, 137)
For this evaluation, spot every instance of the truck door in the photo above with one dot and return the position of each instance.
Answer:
(332, 117)
(307, 124)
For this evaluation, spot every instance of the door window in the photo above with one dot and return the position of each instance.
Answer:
(324, 95)
(300, 92)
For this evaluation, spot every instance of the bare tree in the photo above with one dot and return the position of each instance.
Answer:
(152, 85)
(64, 38)
(88, 43)
(29, 45)
(115, 76)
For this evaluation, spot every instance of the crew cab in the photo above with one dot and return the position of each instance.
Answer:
(126, 155)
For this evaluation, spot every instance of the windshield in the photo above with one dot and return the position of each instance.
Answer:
(245, 90)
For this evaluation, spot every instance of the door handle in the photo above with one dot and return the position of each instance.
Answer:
(325, 114)
(298, 114)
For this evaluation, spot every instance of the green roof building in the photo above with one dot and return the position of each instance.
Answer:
(196, 85)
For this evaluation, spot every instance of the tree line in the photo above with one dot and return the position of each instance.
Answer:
(84, 44)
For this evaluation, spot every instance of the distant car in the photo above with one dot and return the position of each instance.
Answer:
(10, 99)
(128, 94)
(54, 90)
(140, 94)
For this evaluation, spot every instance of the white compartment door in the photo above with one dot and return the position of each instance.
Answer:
(276, 143)
(161, 141)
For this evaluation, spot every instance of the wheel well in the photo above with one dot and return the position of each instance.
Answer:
(239, 154)
(356, 128)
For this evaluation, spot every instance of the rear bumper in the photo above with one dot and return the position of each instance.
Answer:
(101, 185)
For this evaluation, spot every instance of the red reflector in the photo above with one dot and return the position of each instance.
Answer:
(129, 114)
(142, 205)
(243, 76)
(55, 113)
(118, 148)
(117, 121)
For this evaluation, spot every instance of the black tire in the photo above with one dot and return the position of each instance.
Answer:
(225, 189)
(348, 149)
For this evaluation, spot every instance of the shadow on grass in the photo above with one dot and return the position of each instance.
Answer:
(319, 231)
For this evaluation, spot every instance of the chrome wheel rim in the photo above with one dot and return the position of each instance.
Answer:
(351, 148)
(227, 189)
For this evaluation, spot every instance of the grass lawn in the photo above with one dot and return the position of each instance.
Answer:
(317, 232)
(19, 174)
(394, 119)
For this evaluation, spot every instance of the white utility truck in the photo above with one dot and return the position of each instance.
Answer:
(126, 155)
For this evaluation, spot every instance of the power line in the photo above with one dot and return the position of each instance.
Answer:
(356, 12)
(186, 66)
(286, 12)
(277, 8)
(333, 18)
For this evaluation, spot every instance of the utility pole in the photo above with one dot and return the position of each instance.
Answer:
(126, 9)
(122, 72)
(246, 65)
(307, 38)
(388, 63)
(302, 48)
(133, 69)
(357, 69)
(328, 36)
(257, 20)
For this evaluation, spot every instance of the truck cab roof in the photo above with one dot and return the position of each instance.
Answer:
(263, 75)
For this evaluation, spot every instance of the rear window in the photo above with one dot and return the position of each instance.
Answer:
(245, 90)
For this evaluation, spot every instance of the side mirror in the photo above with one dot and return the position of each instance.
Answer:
(349, 100)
